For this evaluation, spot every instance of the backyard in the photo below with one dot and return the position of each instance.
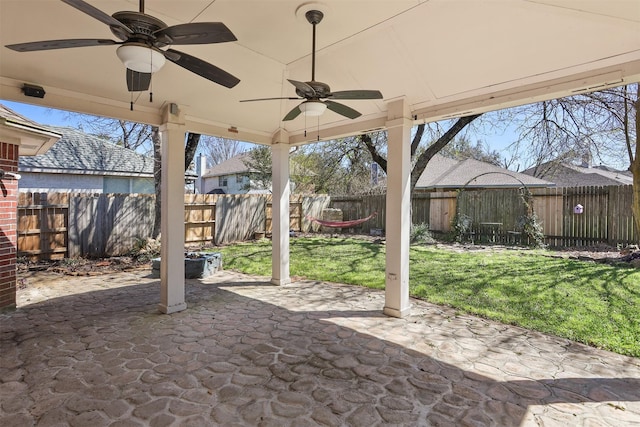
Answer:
(582, 300)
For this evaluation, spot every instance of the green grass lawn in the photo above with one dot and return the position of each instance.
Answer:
(596, 304)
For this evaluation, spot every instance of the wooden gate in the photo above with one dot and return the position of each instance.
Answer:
(43, 221)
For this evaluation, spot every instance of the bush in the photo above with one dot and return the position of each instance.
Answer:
(462, 227)
(421, 234)
(529, 223)
(145, 249)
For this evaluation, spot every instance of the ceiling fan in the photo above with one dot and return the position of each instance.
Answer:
(143, 38)
(314, 92)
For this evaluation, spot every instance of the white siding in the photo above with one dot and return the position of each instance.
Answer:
(43, 182)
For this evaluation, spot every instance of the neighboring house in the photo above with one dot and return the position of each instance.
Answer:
(228, 177)
(233, 176)
(572, 175)
(83, 163)
(443, 173)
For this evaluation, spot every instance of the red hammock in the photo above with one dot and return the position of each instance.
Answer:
(341, 224)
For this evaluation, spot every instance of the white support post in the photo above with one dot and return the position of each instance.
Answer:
(280, 211)
(172, 286)
(398, 220)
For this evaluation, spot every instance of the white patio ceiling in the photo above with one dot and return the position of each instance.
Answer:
(445, 57)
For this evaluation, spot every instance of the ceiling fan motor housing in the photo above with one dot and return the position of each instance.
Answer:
(322, 90)
(143, 27)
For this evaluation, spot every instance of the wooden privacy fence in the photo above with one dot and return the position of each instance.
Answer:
(55, 225)
(497, 213)
(58, 225)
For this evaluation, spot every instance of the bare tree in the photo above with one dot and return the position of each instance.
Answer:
(217, 149)
(132, 135)
(420, 160)
(599, 125)
(462, 148)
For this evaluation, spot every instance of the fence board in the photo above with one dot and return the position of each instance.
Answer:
(108, 224)
(238, 217)
(200, 218)
(355, 207)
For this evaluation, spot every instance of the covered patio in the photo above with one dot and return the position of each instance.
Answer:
(431, 60)
(95, 351)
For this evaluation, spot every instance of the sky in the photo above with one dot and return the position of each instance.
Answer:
(495, 138)
(42, 115)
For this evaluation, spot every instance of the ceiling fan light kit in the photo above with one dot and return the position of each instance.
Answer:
(312, 108)
(141, 58)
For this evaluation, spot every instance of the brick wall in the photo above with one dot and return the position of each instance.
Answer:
(8, 225)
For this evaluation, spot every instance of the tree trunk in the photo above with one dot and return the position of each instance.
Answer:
(190, 150)
(189, 153)
(157, 178)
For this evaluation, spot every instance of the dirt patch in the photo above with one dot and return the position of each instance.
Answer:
(83, 267)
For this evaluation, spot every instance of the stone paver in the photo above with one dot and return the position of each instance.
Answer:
(95, 351)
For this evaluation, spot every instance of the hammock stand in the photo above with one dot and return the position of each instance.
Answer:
(341, 224)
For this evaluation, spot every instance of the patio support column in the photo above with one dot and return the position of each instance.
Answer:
(398, 208)
(172, 288)
(280, 210)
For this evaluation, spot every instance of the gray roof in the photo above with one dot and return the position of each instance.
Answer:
(78, 152)
(568, 175)
(236, 165)
(446, 173)
(230, 166)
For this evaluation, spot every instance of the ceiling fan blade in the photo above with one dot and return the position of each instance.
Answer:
(304, 88)
(59, 44)
(197, 33)
(268, 99)
(342, 109)
(356, 94)
(201, 68)
(292, 114)
(138, 82)
(97, 14)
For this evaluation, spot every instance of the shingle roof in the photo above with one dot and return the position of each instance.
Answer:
(77, 151)
(443, 172)
(229, 167)
(568, 175)
(236, 165)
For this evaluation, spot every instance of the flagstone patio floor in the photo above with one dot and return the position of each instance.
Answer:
(95, 351)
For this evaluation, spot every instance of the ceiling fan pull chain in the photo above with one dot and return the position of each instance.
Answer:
(151, 60)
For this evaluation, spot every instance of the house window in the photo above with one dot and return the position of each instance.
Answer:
(143, 186)
(224, 181)
(239, 179)
(116, 185)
